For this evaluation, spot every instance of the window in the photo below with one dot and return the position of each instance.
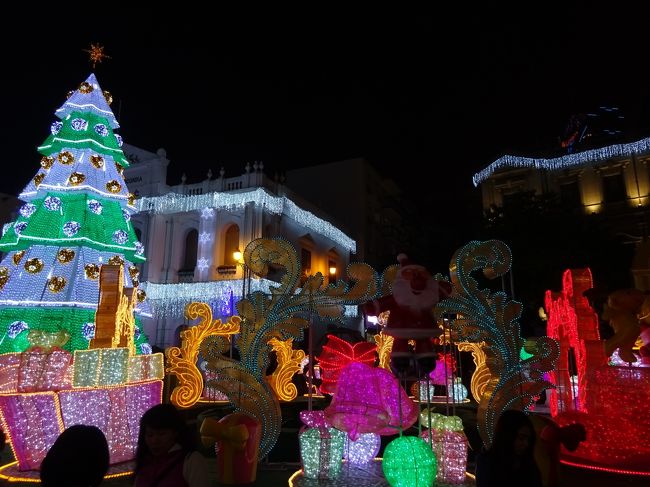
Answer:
(333, 271)
(231, 244)
(305, 261)
(570, 195)
(191, 247)
(614, 188)
(510, 199)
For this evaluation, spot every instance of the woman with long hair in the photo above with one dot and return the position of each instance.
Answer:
(166, 455)
(510, 460)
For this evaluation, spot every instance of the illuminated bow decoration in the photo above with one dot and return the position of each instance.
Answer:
(213, 431)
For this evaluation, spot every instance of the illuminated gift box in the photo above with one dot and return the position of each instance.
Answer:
(146, 367)
(44, 370)
(321, 452)
(33, 421)
(450, 448)
(101, 367)
(9, 363)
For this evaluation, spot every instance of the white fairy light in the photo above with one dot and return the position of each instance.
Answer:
(205, 237)
(279, 205)
(565, 161)
(171, 299)
(207, 213)
(202, 264)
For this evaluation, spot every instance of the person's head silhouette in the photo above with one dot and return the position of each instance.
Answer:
(78, 458)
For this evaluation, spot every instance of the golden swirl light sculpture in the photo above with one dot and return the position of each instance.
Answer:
(289, 362)
(481, 375)
(384, 347)
(182, 361)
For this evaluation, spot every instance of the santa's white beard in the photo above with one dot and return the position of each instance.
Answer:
(405, 297)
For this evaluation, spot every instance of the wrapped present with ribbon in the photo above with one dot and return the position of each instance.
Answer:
(321, 447)
(236, 437)
(9, 366)
(449, 443)
(44, 369)
(44, 365)
(146, 367)
(101, 367)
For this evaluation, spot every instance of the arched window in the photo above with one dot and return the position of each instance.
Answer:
(191, 247)
(231, 243)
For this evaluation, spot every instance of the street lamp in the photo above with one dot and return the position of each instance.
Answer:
(332, 274)
(239, 258)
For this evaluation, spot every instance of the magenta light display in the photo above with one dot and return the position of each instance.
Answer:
(442, 374)
(357, 406)
(34, 421)
(402, 411)
(367, 400)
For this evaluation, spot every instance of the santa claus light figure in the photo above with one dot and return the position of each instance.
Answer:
(415, 294)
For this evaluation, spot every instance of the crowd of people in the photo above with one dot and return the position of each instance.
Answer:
(166, 454)
(523, 452)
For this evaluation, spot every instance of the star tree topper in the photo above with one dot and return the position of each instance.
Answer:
(96, 53)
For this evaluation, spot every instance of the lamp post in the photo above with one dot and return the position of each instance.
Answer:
(239, 258)
(332, 274)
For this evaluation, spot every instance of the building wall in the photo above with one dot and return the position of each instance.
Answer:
(612, 182)
(366, 205)
(164, 233)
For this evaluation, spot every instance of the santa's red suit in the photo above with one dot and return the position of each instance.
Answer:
(415, 294)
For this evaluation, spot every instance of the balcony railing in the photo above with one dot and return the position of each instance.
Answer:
(186, 276)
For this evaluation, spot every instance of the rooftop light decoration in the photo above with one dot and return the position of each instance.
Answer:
(566, 161)
(279, 205)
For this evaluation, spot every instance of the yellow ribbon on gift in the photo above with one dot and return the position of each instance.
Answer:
(232, 437)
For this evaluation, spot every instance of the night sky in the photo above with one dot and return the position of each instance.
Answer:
(448, 92)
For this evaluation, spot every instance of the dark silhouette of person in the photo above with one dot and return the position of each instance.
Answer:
(166, 454)
(78, 458)
(510, 460)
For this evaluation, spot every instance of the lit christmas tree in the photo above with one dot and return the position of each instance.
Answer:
(76, 217)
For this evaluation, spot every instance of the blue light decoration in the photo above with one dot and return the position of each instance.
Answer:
(477, 316)
(566, 161)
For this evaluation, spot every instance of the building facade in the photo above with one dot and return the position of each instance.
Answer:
(365, 205)
(612, 182)
(191, 232)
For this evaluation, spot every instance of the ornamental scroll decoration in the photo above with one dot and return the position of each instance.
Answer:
(289, 362)
(281, 314)
(182, 361)
(493, 319)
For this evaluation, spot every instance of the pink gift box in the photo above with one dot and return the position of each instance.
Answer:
(41, 370)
